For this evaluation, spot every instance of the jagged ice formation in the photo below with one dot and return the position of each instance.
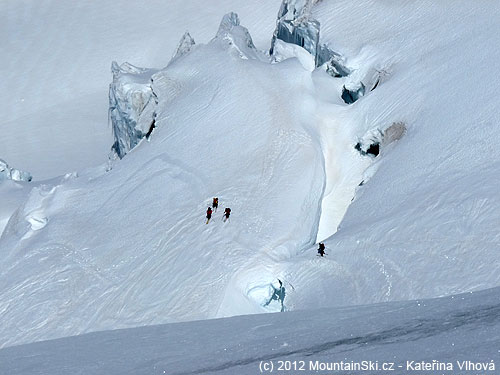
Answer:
(7, 173)
(131, 106)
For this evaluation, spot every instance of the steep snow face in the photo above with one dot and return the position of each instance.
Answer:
(131, 247)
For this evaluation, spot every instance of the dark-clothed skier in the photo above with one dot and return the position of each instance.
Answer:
(215, 204)
(227, 212)
(321, 249)
(209, 214)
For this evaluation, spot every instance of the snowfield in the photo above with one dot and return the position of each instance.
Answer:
(125, 244)
(462, 331)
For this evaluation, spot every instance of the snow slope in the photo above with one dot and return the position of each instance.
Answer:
(133, 245)
(447, 330)
(126, 245)
(55, 71)
(427, 222)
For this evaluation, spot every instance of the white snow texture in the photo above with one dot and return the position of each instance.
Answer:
(125, 244)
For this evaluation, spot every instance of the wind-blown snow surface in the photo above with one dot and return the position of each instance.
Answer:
(131, 246)
(55, 68)
(427, 222)
(276, 144)
(463, 328)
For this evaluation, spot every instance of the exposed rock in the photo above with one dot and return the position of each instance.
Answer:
(393, 133)
(372, 142)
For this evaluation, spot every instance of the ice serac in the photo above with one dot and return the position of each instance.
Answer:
(7, 173)
(185, 45)
(295, 26)
(333, 62)
(132, 106)
(237, 38)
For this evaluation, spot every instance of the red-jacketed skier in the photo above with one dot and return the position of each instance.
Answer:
(227, 212)
(209, 214)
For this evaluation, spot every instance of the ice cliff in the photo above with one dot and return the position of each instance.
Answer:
(294, 25)
(131, 106)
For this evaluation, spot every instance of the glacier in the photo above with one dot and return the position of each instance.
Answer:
(127, 247)
(180, 174)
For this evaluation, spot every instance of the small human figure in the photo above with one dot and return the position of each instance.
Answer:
(215, 203)
(209, 214)
(227, 212)
(321, 249)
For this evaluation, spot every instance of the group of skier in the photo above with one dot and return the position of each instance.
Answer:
(227, 212)
(215, 205)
